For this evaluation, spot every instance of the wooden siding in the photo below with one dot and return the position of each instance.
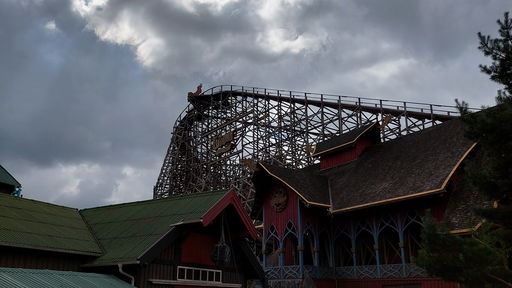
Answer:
(280, 219)
(345, 156)
(35, 259)
(197, 248)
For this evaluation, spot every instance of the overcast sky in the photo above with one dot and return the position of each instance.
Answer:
(89, 90)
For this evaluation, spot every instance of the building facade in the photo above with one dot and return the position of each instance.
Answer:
(354, 219)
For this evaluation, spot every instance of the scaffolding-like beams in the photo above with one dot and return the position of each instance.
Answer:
(227, 124)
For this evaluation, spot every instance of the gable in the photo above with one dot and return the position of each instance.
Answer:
(414, 165)
(126, 231)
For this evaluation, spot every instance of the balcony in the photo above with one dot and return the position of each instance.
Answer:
(347, 272)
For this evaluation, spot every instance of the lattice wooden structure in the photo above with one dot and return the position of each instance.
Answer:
(223, 130)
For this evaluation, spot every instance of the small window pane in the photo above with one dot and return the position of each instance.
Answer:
(181, 273)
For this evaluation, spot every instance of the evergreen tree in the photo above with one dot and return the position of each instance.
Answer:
(484, 258)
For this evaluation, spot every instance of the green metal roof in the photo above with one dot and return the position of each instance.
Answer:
(126, 231)
(7, 178)
(30, 278)
(34, 224)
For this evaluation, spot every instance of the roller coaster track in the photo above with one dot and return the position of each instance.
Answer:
(224, 130)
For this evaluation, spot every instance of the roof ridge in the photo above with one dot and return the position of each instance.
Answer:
(38, 201)
(172, 197)
(92, 233)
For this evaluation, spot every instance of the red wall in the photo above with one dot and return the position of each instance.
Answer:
(197, 248)
(280, 219)
(345, 156)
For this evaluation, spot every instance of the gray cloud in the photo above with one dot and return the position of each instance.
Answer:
(88, 94)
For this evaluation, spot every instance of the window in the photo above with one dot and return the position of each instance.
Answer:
(199, 274)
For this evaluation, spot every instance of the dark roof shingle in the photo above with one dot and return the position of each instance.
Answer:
(341, 141)
(412, 165)
(310, 186)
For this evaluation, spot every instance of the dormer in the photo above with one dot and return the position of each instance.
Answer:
(346, 147)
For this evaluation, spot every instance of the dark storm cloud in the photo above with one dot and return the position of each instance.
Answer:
(67, 96)
(88, 94)
(437, 29)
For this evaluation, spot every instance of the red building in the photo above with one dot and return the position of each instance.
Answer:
(195, 240)
(354, 219)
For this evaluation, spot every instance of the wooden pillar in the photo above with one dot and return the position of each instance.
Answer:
(353, 236)
(300, 239)
(281, 252)
(316, 251)
(264, 242)
(401, 229)
(375, 234)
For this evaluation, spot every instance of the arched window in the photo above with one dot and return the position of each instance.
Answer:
(343, 251)
(389, 245)
(412, 238)
(365, 251)
(324, 249)
(291, 257)
(272, 248)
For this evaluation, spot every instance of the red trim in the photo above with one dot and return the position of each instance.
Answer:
(230, 198)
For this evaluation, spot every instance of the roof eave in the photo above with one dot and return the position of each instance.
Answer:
(411, 196)
(294, 190)
(110, 263)
(230, 198)
(50, 249)
(333, 149)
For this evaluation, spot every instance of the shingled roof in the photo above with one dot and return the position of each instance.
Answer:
(411, 166)
(38, 225)
(414, 165)
(346, 139)
(310, 186)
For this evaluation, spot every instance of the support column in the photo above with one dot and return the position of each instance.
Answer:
(316, 250)
(264, 243)
(281, 253)
(300, 239)
(375, 234)
(401, 229)
(353, 236)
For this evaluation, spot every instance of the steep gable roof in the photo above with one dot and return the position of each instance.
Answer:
(127, 231)
(341, 141)
(7, 178)
(411, 166)
(310, 186)
(38, 225)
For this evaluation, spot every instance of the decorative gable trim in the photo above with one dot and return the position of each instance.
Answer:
(229, 199)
